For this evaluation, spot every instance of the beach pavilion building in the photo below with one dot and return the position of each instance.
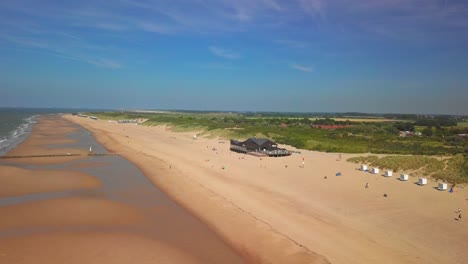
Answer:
(258, 146)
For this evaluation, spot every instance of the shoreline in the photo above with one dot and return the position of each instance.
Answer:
(13, 142)
(87, 199)
(255, 253)
(293, 211)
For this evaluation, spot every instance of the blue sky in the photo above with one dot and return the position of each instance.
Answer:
(400, 56)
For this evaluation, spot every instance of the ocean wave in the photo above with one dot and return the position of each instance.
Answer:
(17, 135)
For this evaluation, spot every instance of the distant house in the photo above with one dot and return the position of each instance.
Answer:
(127, 121)
(258, 146)
(463, 135)
(131, 121)
(408, 133)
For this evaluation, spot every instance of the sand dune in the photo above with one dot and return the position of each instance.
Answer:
(293, 214)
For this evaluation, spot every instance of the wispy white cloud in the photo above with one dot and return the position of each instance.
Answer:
(273, 5)
(400, 20)
(407, 20)
(68, 53)
(314, 7)
(98, 62)
(215, 16)
(105, 63)
(302, 68)
(224, 53)
(27, 42)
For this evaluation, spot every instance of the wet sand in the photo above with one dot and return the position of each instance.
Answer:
(91, 248)
(292, 214)
(27, 181)
(92, 209)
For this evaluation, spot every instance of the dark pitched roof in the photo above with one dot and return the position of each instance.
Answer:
(236, 142)
(259, 141)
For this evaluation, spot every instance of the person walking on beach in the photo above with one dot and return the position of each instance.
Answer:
(367, 185)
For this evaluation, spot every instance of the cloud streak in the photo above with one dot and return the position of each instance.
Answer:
(224, 53)
(301, 68)
(215, 16)
(314, 7)
(68, 53)
(395, 20)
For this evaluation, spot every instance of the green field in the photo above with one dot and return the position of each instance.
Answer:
(462, 124)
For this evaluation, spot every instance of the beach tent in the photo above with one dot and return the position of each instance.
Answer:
(375, 170)
(422, 181)
(364, 167)
(338, 174)
(442, 186)
(404, 177)
(388, 173)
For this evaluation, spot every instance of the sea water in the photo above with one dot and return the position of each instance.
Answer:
(16, 124)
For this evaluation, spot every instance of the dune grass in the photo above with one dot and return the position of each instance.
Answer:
(449, 169)
(368, 137)
(359, 137)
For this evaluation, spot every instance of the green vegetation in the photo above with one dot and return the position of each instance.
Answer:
(463, 124)
(451, 169)
(436, 122)
(350, 137)
(329, 135)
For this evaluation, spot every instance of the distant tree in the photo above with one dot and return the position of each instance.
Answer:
(441, 121)
(304, 120)
(427, 131)
(404, 126)
(326, 121)
(440, 131)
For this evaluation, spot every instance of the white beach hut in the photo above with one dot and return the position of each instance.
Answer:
(364, 167)
(422, 181)
(404, 177)
(375, 170)
(442, 186)
(388, 173)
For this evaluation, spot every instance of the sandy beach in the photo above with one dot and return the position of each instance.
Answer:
(92, 209)
(279, 212)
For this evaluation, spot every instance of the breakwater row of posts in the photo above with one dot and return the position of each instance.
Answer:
(56, 155)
